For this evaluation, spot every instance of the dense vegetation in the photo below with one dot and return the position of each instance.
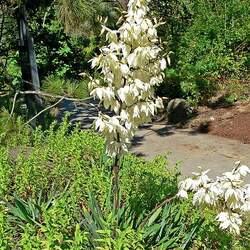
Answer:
(210, 45)
(207, 42)
(48, 182)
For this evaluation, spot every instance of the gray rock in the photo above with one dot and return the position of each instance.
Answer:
(178, 110)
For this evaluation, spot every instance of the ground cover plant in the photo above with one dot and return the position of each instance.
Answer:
(55, 194)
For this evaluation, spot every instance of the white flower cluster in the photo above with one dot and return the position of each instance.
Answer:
(228, 194)
(131, 68)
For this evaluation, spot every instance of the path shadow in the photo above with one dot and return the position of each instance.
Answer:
(165, 131)
(221, 102)
(137, 141)
(139, 154)
(81, 113)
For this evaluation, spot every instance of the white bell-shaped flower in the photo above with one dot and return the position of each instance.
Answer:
(131, 67)
(227, 192)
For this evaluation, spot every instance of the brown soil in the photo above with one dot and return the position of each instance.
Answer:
(15, 152)
(231, 122)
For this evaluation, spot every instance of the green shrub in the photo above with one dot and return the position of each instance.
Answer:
(146, 183)
(5, 172)
(13, 130)
(6, 231)
(48, 182)
(209, 45)
(58, 167)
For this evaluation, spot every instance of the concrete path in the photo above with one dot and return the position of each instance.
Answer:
(185, 146)
(190, 149)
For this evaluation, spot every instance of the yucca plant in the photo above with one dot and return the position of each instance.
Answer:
(165, 227)
(30, 211)
(100, 220)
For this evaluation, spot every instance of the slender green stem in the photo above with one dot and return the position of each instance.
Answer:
(115, 172)
(115, 192)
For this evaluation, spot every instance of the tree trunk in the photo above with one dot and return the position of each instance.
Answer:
(29, 69)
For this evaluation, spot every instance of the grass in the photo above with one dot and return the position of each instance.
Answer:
(59, 86)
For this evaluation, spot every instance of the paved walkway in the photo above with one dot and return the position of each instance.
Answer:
(185, 146)
(190, 149)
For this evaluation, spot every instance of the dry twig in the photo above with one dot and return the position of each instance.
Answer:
(41, 93)
(42, 111)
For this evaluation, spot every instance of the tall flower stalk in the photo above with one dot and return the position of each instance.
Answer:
(131, 68)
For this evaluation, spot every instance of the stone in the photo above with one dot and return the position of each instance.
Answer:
(178, 110)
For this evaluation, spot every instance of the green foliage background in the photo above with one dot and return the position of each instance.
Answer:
(210, 43)
(51, 172)
(207, 41)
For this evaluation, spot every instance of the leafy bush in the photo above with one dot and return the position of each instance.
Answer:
(50, 176)
(146, 183)
(210, 44)
(209, 49)
(58, 53)
(56, 186)
(13, 129)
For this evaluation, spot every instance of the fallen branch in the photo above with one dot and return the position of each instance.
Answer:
(42, 111)
(41, 93)
(4, 95)
(13, 105)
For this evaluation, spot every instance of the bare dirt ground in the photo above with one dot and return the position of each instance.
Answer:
(231, 122)
(214, 139)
